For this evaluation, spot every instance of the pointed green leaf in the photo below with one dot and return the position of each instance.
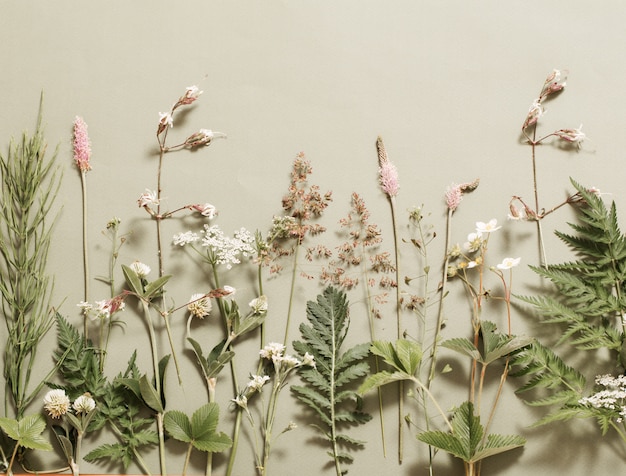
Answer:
(463, 346)
(215, 443)
(155, 287)
(150, 395)
(132, 280)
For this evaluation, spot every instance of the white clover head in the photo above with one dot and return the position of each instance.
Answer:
(56, 403)
(199, 305)
(258, 305)
(141, 269)
(84, 404)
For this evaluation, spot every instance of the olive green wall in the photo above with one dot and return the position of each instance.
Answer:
(447, 84)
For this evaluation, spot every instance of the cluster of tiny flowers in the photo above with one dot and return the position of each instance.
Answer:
(612, 396)
(82, 148)
(227, 250)
(185, 238)
(275, 352)
(199, 306)
(103, 309)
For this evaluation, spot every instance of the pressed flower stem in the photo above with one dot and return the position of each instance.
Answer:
(157, 381)
(392, 201)
(291, 291)
(83, 181)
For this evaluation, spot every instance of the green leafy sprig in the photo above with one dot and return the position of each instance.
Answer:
(328, 391)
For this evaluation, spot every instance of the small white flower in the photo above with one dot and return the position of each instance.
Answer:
(141, 269)
(474, 242)
(491, 225)
(229, 290)
(241, 401)
(149, 197)
(193, 92)
(84, 404)
(182, 239)
(206, 210)
(272, 349)
(288, 361)
(258, 305)
(471, 264)
(56, 403)
(257, 382)
(199, 306)
(508, 263)
(165, 119)
(308, 359)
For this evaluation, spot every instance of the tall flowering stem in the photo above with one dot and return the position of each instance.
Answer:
(554, 83)
(388, 179)
(82, 157)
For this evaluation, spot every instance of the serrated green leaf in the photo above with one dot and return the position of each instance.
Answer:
(463, 346)
(177, 424)
(382, 378)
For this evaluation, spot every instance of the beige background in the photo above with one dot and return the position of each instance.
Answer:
(446, 84)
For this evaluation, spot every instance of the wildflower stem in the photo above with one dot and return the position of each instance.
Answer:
(399, 330)
(292, 290)
(542, 250)
(443, 291)
(83, 181)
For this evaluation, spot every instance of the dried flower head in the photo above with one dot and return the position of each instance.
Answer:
(199, 305)
(56, 403)
(206, 210)
(81, 145)
(147, 198)
(84, 403)
(203, 137)
(455, 192)
(576, 136)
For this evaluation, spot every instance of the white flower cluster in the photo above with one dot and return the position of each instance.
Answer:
(275, 352)
(227, 250)
(612, 395)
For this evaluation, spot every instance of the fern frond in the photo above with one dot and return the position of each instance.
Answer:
(328, 392)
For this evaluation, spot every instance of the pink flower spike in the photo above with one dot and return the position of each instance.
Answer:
(387, 172)
(455, 192)
(82, 148)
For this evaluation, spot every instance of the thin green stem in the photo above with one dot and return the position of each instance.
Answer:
(83, 181)
(291, 291)
(399, 329)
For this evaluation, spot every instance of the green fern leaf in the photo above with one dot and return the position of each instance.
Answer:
(327, 392)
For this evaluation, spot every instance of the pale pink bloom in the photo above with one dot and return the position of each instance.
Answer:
(491, 225)
(203, 137)
(149, 197)
(165, 120)
(576, 136)
(387, 172)
(455, 192)
(508, 263)
(82, 148)
(388, 176)
(535, 111)
(191, 94)
(453, 196)
(206, 210)
(555, 82)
